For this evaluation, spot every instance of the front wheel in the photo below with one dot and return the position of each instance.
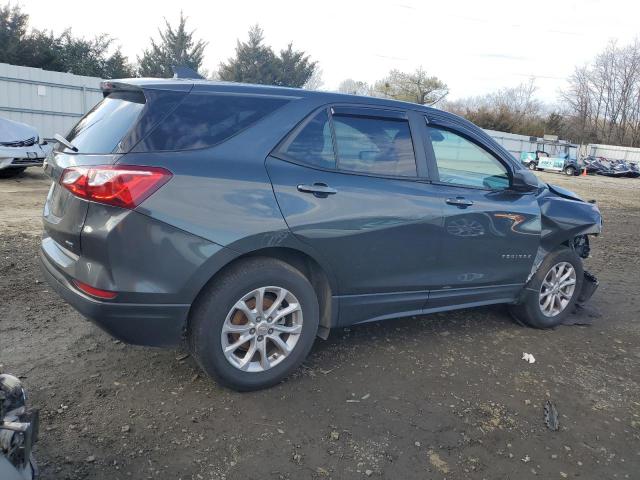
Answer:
(550, 295)
(255, 324)
(570, 171)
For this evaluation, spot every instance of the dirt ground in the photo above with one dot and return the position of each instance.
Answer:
(440, 396)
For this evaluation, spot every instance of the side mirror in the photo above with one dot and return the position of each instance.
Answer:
(524, 181)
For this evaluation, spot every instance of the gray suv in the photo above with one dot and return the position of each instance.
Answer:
(247, 220)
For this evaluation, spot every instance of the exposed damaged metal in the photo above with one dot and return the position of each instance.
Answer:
(589, 286)
(18, 431)
(565, 219)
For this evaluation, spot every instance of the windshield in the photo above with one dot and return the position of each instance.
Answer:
(102, 129)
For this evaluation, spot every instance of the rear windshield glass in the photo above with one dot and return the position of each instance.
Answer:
(100, 130)
(203, 120)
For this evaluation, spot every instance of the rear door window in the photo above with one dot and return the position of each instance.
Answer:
(313, 144)
(203, 120)
(102, 129)
(378, 146)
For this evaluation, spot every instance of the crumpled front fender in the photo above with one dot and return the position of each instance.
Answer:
(564, 216)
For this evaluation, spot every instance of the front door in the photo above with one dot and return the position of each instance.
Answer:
(491, 233)
(348, 184)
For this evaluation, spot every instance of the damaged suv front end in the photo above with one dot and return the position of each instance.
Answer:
(567, 219)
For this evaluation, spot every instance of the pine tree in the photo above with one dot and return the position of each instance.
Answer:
(118, 66)
(294, 67)
(176, 47)
(255, 62)
(13, 32)
(20, 45)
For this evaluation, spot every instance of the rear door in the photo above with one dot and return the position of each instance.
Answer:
(491, 233)
(351, 182)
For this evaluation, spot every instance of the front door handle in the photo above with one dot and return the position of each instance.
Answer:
(460, 202)
(318, 189)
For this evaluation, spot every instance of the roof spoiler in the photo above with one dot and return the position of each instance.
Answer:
(185, 72)
(109, 86)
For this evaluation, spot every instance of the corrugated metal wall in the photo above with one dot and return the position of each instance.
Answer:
(52, 102)
(614, 152)
(513, 142)
(517, 144)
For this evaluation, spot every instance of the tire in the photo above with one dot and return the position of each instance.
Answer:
(11, 172)
(529, 310)
(531, 166)
(216, 308)
(570, 171)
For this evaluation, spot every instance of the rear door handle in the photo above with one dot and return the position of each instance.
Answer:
(318, 189)
(459, 202)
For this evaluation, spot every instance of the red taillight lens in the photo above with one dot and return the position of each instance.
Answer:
(93, 291)
(123, 186)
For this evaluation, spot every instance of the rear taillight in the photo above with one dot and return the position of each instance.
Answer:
(93, 291)
(125, 186)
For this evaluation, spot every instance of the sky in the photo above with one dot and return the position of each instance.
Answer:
(474, 46)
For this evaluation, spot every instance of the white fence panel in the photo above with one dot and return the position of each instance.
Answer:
(513, 142)
(52, 102)
(614, 152)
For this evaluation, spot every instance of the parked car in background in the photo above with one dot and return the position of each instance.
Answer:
(247, 220)
(541, 160)
(20, 147)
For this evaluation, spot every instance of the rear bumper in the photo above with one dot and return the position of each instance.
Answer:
(139, 324)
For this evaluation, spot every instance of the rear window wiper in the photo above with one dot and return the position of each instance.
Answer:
(65, 142)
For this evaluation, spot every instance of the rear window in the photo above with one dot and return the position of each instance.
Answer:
(203, 120)
(102, 129)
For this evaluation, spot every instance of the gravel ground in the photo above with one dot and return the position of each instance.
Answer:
(442, 396)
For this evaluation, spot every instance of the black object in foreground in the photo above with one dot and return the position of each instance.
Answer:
(551, 416)
(18, 431)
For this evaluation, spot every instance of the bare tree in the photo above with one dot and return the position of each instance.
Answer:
(354, 87)
(514, 110)
(315, 81)
(417, 87)
(602, 102)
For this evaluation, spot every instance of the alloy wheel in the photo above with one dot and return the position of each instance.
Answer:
(557, 289)
(262, 329)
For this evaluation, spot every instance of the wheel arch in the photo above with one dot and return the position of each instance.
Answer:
(322, 282)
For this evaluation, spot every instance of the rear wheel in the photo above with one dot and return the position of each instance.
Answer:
(11, 172)
(255, 324)
(552, 292)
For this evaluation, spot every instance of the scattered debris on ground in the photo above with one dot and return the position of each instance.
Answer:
(425, 395)
(551, 416)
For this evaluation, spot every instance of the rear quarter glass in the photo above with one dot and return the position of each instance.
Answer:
(203, 120)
